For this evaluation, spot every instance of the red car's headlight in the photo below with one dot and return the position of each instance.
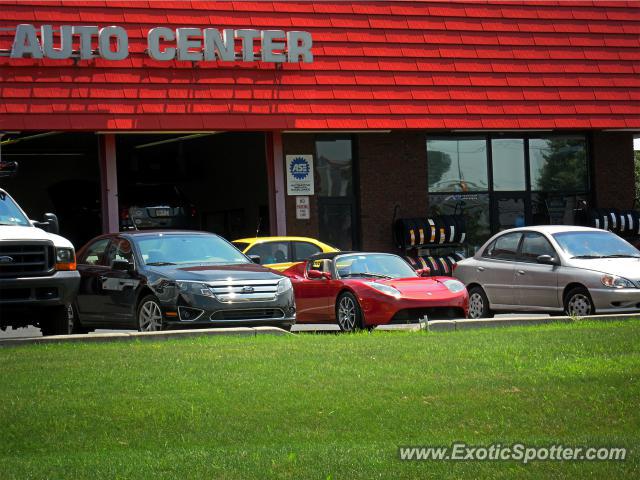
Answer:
(386, 289)
(454, 286)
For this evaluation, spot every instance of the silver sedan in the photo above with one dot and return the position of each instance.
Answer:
(555, 269)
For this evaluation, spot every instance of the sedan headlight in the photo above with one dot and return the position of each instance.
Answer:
(284, 285)
(65, 259)
(454, 286)
(613, 281)
(195, 288)
(386, 289)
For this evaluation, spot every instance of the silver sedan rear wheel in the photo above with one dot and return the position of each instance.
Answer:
(478, 303)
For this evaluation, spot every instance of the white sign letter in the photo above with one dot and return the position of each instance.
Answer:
(25, 43)
(122, 43)
(85, 32)
(214, 46)
(247, 36)
(299, 44)
(66, 42)
(268, 46)
(153, 42)
(185, 42)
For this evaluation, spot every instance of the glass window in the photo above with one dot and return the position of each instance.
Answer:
(555, 208)
(473, 207)
(505, 247)
(174, 249)
(303, 250)
(120, 249)
(336, 224)
(376, 265)
(95, 252)
(241, 245)
(588, 244)
(535, 244)
(271, 252)
(10, 214)
(334, 165)
(559, 164)
(457, 165)
(507, 156)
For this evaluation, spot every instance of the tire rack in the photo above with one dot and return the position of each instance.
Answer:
(624, 223)
(432, 242)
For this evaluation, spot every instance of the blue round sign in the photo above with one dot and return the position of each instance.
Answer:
(299, 168)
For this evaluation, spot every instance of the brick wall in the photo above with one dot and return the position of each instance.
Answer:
(393, 171)
(613, 169)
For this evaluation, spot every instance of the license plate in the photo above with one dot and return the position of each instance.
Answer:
(163, 212)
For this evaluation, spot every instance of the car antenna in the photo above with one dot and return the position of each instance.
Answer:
(258, 227)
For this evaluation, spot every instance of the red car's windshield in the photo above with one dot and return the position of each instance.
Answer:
(375, 265)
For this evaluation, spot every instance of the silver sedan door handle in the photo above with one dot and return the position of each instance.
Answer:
(520, 272)
(481, 269)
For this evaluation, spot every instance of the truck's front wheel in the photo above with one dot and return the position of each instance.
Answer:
(57, 320)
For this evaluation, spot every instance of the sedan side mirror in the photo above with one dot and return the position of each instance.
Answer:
(547, 260)
(122, 266)
(423, 272)
(254, 258)
(318, 275)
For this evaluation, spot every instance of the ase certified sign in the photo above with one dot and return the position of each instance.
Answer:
(299, 174)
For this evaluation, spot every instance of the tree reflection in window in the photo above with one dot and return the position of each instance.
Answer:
(558, 164)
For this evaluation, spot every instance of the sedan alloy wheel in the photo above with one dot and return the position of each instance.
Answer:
(149, 316)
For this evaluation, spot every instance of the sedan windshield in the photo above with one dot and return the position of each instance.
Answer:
(601, 244)
(10, 214)
(374, 265)
(167, 249)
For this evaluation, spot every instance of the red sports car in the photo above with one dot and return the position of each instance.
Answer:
(362, 290)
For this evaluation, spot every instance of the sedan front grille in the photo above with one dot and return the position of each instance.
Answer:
(251, 314)
(26, 259)
(232, 291)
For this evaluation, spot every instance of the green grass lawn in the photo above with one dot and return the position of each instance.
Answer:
(320, 406)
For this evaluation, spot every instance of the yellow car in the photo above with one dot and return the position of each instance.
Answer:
(279, 253)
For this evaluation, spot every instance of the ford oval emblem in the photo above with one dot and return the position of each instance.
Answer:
(6, 259)
(248, 289)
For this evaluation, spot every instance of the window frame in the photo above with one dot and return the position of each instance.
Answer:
(294, 250)
(102, 258)
(527, 193)
(521, 256)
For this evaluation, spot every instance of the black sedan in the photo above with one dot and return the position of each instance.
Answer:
(154, 280)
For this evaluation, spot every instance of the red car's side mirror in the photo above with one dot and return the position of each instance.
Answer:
(423, 272)
(318, 275)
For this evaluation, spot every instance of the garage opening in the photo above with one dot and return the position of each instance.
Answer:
(59, 173)
(212, 181)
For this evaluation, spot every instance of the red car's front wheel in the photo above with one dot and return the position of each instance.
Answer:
(348, 313)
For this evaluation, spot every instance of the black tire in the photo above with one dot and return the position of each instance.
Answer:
(348, 313)
(149, 316)
(57, 320)
(478, 304)
(578, 303)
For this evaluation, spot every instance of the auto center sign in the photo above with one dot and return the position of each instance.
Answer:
(164, 44)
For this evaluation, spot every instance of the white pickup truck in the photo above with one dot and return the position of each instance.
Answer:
(38, 276)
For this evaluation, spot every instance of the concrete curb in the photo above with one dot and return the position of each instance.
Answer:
(455, 325)
(147, 336)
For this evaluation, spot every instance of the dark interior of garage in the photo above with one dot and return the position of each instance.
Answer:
(58, 173)
(219, 179)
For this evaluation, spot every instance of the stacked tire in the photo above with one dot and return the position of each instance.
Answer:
(416, 232)
(622, 222)
(438, 265)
